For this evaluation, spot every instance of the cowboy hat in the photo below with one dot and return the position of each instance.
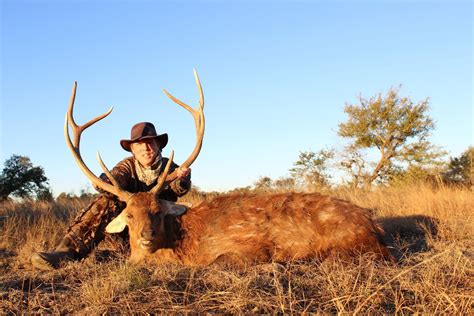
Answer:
(141, 131)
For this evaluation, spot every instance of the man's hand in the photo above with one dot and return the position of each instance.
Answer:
(183, 172)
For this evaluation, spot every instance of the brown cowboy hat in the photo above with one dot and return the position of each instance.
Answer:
(144, 130)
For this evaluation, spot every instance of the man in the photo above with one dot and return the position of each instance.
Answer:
(138, 173)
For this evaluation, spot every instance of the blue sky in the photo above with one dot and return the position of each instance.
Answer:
(276, 76)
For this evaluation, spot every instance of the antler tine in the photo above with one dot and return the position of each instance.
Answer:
(201, 94)
(199, 122)
(160, 185)
(80, 129)
(75, 149)
(107, 172)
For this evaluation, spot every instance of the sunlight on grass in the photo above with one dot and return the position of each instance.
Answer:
(429, 229)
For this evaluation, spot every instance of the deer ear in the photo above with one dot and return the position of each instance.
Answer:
(117, 225)
(175, 209)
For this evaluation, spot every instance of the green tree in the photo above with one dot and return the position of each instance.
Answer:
(45, 194)
(21, 179)
(310, 170)
(394, 126)
(460, 168)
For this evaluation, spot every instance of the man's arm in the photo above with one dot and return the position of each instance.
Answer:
(178, 187)
(182, 184)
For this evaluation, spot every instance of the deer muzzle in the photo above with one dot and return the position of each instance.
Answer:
(147, 240)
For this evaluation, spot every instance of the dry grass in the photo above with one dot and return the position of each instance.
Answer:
(430, 230)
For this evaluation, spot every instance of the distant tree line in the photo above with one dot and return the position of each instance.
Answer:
(390, 127)
(312, 174)
(21, 179)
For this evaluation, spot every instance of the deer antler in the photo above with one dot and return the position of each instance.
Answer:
(160, 184)
(198, 115)
(74, 147)
(165, 178)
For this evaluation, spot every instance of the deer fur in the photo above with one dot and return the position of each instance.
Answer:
(247, 229)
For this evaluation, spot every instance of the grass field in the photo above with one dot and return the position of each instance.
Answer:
(428, 229)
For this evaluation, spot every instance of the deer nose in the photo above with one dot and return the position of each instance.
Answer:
(147, 234)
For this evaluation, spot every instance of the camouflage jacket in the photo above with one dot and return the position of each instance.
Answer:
(125, 174)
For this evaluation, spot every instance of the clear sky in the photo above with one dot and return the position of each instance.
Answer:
(276, 76)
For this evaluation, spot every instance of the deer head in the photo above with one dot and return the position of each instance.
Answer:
(144, 212)
(145, 217)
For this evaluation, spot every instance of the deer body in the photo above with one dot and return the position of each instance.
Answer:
(253, 229)
(238, 228)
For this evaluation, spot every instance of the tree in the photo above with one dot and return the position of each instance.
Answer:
(310, 170)
(460, 168)
(354, 162)
(20, 178)
(267, 184)
(263, 184)
(44, 194)
(284, 184)
(394, 126)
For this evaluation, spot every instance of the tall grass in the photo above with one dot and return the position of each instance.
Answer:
(450, 207)
(428, 229)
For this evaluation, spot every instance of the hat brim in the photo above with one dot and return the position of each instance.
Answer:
(161, 139)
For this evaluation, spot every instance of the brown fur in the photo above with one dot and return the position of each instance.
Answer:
(253, 229)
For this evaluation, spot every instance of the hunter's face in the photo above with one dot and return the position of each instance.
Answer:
(145, 151)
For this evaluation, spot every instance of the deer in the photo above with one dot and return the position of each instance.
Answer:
(239, 229)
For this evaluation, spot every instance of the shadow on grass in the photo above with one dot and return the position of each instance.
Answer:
(406, 235)
(5, 253)
(34, 282)
(113, 247)
(108, 255)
